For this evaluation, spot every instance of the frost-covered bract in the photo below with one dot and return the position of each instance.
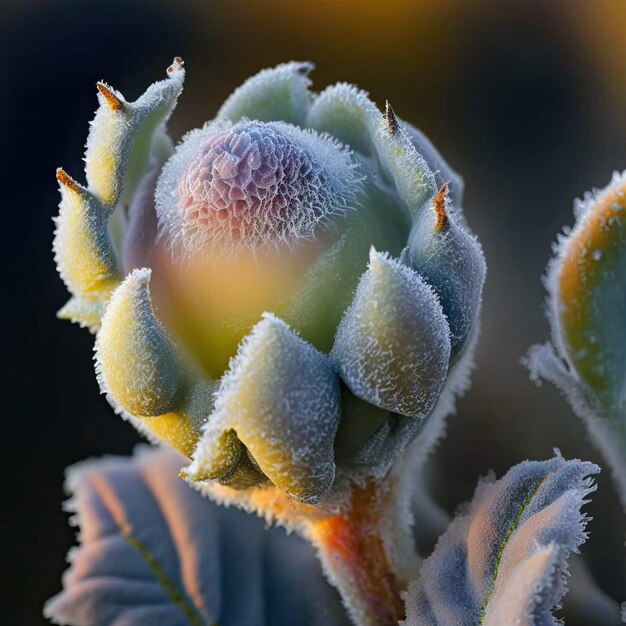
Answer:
(393, 347)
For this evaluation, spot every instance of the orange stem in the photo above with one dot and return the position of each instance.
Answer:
(353, 551)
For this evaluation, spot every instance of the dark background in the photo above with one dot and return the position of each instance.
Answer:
(525, 99)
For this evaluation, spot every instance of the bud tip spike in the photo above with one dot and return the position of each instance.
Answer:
(112, 99)
(440, 207)
(391, 121)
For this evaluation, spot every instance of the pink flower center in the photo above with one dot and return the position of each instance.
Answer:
(259, 183)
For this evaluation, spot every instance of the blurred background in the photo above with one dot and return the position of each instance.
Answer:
(525, 99)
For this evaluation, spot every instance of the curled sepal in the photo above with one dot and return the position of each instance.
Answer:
(124, 135)
(348, 114)
(281, 398)
(503, 560)
(83, 252)
(153, 551)
(442, 251)
(392, 347)
(141, 370)
(276, 94)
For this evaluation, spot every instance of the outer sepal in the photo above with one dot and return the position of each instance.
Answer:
(277, 94)
(142, 371)
(83, 252)
(452, 261)
(124, 134)
(392, 347)
(281, 398)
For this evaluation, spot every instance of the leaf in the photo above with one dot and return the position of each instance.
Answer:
(586, 359)
(153, 551)
(503, 560)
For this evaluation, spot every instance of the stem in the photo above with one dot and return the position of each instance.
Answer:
(355, 551)
(366, 548)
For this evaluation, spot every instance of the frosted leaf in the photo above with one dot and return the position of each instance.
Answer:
(253, 185)
(392, 347)
(348, 114)
(277, 94)
(281, 397)
(154, 551)
(504, 558)
(452, 261)
(83, 252)
(586, 283)
(125, 135)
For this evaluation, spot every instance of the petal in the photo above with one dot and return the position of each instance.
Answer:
(370, 439)
(392, 347)
(348, 114)
(142, 230)
(277, 94)
(281, 397)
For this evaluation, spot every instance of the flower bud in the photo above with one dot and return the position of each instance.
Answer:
(267, 349)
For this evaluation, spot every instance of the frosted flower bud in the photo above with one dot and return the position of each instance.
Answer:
(243, 313)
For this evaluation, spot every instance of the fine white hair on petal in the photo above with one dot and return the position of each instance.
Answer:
(252, 185)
